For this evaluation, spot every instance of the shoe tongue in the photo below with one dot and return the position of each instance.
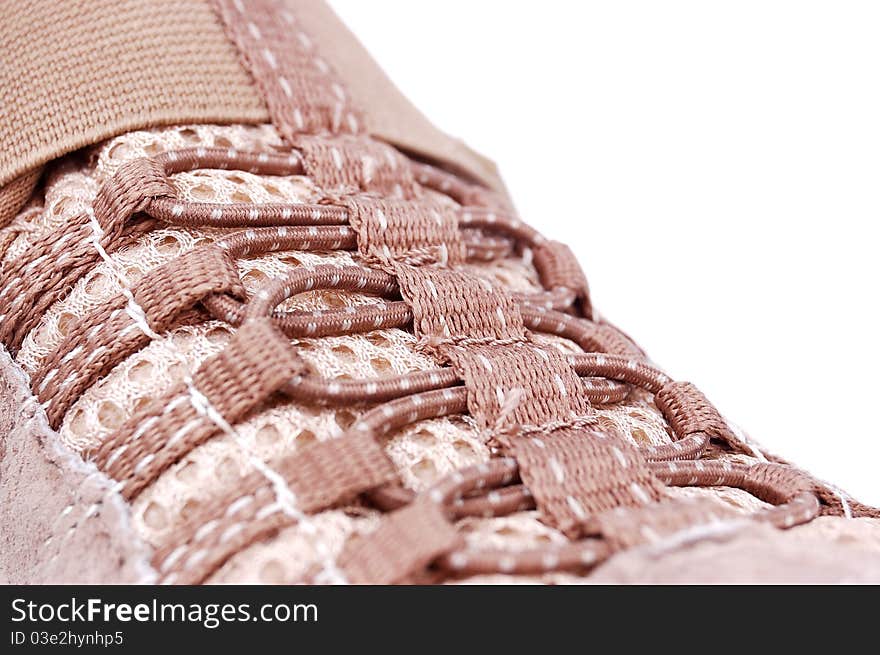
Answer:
(128, 65)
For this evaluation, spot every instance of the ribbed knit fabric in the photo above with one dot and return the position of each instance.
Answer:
(96, 68)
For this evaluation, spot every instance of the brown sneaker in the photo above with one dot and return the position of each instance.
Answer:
(262, 322)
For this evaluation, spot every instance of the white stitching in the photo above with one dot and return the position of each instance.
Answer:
(200, 403)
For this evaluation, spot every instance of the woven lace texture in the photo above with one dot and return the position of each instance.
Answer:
(423, 452)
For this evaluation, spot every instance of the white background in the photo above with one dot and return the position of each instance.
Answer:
(715, 166)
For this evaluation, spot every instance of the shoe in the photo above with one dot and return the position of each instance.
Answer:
(263, 323)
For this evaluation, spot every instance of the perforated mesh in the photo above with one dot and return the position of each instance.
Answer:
(422, 452)
(293, 552)
(68, 193)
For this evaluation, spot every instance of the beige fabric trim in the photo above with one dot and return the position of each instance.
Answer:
(60, 520)
(78, 72)
(75, 73)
